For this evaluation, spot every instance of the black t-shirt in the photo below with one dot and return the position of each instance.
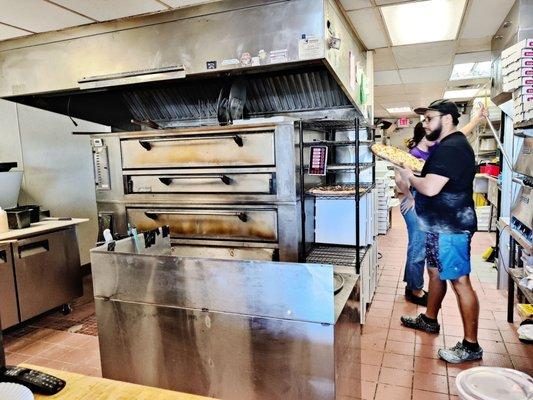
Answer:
(452, 210)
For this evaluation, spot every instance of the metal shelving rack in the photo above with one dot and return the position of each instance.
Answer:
(339, 255)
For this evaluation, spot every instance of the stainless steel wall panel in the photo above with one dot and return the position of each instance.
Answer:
(266, 289)
(226, 356)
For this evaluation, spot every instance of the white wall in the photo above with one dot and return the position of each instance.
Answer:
(58, 169)
(9, 133)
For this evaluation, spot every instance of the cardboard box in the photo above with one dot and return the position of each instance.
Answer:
(518, 74)
(520, 54)
(517, 47)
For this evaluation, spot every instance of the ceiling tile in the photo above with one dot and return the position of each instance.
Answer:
(186, 3)
(423, 89)
(8, 32)
(382, 2)
(470, 45)
(355, 4)
(476, 56)
(369, 28)
(387, 78)
(384, 60)
(428, 74)
(424, 55)
(480, 23)
(105, 10)
(382, 91)
(38, 16)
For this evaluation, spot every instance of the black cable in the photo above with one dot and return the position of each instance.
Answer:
(68, 112)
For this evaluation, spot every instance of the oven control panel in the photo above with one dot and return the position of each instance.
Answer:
(102, 179)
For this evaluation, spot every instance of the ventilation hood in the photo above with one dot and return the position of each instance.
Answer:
(297, 57)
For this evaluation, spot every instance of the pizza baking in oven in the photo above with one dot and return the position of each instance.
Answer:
(397, 157)
(335, 190)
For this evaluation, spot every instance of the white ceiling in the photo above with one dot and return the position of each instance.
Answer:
(417, 74)
(410, 75)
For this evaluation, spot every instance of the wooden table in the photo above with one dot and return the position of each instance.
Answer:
(81, 387)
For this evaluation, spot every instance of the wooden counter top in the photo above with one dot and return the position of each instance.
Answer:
(40, 227)
(81, 387)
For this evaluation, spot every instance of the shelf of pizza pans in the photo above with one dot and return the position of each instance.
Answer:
(334, 254)
(345, 167)
(365, 188)
(337, 143)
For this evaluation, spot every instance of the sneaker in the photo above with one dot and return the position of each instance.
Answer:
(412, 298)
(459, 353)
(419, 324)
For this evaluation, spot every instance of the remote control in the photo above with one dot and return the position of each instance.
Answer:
(36, 381)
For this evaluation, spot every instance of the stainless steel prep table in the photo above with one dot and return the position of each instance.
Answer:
(39, 269)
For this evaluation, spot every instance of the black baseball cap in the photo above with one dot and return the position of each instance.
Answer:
(442, 106)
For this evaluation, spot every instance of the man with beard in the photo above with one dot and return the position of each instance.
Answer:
(445, 207)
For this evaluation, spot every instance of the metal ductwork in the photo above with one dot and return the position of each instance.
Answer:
(167, 70)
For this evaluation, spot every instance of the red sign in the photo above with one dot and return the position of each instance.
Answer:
(403, 123)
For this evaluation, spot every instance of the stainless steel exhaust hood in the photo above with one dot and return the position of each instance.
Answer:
(297, 57)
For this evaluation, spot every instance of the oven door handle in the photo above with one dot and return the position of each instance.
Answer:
(167, 180)
(147, 144)
(153, 214)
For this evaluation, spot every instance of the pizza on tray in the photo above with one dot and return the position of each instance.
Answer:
(397, 157)
(335, 190)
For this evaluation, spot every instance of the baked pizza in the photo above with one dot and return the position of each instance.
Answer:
(335, 190)
(397, 157)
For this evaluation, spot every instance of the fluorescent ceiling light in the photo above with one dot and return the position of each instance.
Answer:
(423, 21)
(471, 71)
(399, 110)
(461, 93)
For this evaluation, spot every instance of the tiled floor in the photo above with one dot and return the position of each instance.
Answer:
(399, 364)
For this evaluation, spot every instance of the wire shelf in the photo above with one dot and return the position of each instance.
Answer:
(329, 125)
(345, 167)
(338, 255)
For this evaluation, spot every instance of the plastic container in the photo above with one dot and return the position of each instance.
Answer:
(493, 383)
(4, 225)
(490, 169)
(18, 219)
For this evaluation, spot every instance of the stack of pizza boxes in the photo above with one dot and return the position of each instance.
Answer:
(517, 74)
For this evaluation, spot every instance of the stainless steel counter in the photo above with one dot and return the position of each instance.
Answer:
(224, 328)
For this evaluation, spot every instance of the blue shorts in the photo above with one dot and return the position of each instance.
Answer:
(450, 253)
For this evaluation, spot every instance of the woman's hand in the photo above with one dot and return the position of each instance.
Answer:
(408, 203)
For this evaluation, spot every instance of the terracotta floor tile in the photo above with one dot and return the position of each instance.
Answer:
(379, 313)
(510, 336)
(401, 335)
(371, 357)
(389, 392)
(368, 390)
(15, 358)
(451, 386)
(406, 349)
(427, 338)
(426, 351)
(424, 395)
(372, 343)
(519, 350)
(369, 373)
(430, 382)
(522, 363)
(398, 377)
(455, 369)
(497, 360)
(398, 361)
(384, 297)
(493, 347)
(489, 335)
(378, 321)
(430, 366)
(387, 305)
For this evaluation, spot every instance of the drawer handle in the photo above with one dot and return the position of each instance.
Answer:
(167, 180)
(3, 256)
(31, 249)
(153, 214)
(147, 144)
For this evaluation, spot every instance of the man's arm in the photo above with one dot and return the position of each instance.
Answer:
(430, 185)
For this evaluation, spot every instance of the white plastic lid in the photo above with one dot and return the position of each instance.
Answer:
(493, 383)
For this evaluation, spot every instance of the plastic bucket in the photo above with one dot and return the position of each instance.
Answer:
(492, 383)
